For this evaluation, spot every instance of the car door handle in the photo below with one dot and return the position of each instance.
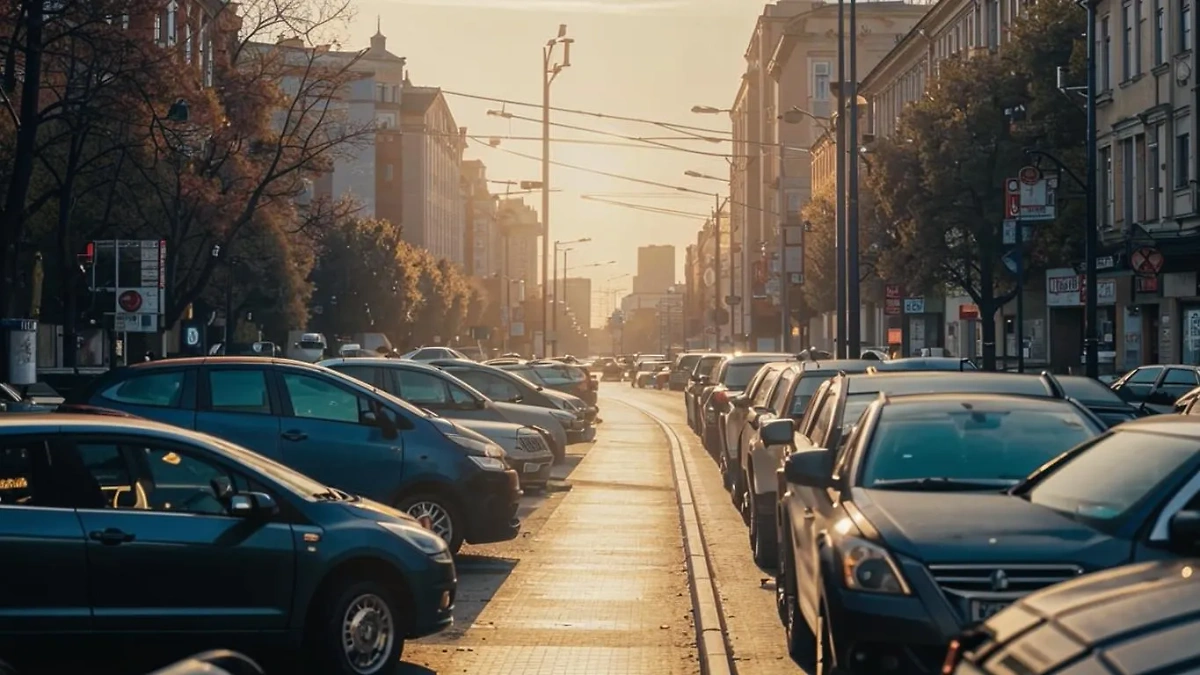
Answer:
(808, 514)
(294, 436)
(111, 536)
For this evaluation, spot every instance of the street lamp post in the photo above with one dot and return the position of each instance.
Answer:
(853, 304)
(1090, 243)
(550, 71)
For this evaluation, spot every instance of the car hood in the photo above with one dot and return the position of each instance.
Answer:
(372, 510)
(467, 428)
(531, 416)
(967, 527)
(503, 434)
(560, 397)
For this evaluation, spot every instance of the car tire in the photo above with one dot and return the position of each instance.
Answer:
(762, 541)
(374, 619)
(783, 572)
(801, 642)
(428, 505)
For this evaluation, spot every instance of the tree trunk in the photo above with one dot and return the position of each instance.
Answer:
(987, 315)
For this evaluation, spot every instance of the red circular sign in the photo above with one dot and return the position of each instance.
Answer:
(130, 301)
(1030, 175)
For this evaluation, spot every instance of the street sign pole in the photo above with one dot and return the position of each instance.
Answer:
(1020, 296)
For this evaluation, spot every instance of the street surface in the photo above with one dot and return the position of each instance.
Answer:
(598, 581)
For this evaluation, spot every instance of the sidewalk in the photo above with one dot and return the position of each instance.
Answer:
(600, 588)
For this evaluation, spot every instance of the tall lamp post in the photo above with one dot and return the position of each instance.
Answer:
(550, 71)
(1091, 360)
(553, 288)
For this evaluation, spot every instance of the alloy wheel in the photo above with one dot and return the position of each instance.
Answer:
(433, 517)
(368, 633)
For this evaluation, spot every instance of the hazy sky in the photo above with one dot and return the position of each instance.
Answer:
(651, 59)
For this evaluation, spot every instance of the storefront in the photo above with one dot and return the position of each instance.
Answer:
(1065, 291)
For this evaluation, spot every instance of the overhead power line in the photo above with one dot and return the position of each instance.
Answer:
(650, 209)
(589, 113)
(611, 134)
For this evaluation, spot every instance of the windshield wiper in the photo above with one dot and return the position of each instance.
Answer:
(944, 483)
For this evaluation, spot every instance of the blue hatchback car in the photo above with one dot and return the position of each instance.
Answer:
(333, 428)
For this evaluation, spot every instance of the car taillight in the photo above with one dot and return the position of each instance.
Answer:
(721, 397)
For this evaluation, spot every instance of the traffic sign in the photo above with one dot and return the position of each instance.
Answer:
(1146, 261)
(1030, 175)
(914, 305)
(1030, 196)
(191, 336)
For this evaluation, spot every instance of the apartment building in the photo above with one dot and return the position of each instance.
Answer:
(701, 290)
(577, 291)
(655, 268)
(433, 145)
(1148, 166)
(791, 64)
(482, 238)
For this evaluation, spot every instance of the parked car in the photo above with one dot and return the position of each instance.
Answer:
(889, 544)
(434, 353)
(1141, 616)
(743, 407)
(647, 374)
(735, 375)
(523, 431)
(1158, 387)
(937, 363)
(700, 379)
(568, 378)
(751, 481)
(13, 401)
(682, 369)
(132, 531)
(1101, 400)
(331, 427)
(501, 385)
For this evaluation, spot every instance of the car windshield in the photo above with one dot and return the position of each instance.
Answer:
(293, 480)
(1109, 480)
(738, 375)
(527, 373)
(961, 442)
(560, 374)
(807, 386)
(311, 344)
(1090, 392)
(687, 362)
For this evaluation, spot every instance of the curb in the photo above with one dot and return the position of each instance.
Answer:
(706, 608)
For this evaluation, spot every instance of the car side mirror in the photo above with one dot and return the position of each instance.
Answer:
(377, 417)
(741, 402)
(253, 504)
(809, 468)
(778, 432)
(1184, 530)
(222, 488)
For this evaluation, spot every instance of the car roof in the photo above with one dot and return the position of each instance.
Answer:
(85, 423)
(219, 360)
(946, 363)
(379, 361)
(929, 381)
(1177, 425)
(833, 365)
(986, 401)
(761, 357)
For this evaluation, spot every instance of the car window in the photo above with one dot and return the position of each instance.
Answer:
(1145, 375)
(419, 388)
(1183, 376)
(812, 412)
(239, 391)
(779, 399)
(824, 421)
(707, 365)
(495, 387)
(182, 482)
(1100, 486)
(314, 398)
(366, 374)
(951, 440)
(803, 393)
(1089, 391)
(687, 362)
(856, 405)
(460, 396)
(16, 473)
(158, 389)
(553, 375)
(737, 375)
(110, 468)
(762, 393)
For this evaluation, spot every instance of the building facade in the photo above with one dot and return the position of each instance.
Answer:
(482, 238)
(432, 142)
(577, 291)
(655, 269)
(1147, 107)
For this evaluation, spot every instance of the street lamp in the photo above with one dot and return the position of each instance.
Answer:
(709, 110)
(550, 70)
(553, 288)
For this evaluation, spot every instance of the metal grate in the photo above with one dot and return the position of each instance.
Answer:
(532, 444)
(1000, 578)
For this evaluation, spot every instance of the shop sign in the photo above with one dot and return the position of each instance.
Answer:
(968, 312)
(895, 336)
(892, 302)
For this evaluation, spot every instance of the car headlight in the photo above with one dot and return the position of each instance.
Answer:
(476, 447)
(488, 463)
(423, 540)
(869, 567)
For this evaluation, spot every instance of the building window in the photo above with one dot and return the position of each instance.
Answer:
(158, 28)
(1106, 188)
(1183, 154)
(172, 15)
(187, 41)
(820, 81)
(1105, 55)
(1129, 169)
(1160, 33)
(1153, 176)
(993, 24)
(1126, 41)
(1185, 25)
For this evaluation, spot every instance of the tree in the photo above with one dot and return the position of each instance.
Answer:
(939, 179)
(820, 250)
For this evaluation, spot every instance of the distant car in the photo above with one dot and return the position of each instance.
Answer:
(119, 529)
(610, 370)
(1158, 386)
(682, 369)
(647, 374)
(567, 378)
(434, 353)
(700, 379)
(1101, 400)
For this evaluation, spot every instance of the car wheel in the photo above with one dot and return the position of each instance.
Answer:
(762, 541)
(826, 662)
(436, 514)
(726, 475)
(801, 643)
(784, 592)
(359, 631)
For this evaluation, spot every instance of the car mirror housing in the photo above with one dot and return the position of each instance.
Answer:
(778, 432)
(809, 468)
(253, 505)
(1184, 530)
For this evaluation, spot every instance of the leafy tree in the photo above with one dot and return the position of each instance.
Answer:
(939, 179)
(820, 262)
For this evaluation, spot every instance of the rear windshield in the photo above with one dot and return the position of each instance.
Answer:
(707, 365)
(949, 383)
(956, 441)
(311, 344)
(738, 375)
(1089, 391)
(687, 362)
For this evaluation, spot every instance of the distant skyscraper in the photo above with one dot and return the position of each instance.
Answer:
(655, 269)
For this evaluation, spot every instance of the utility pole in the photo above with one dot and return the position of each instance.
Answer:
(716, 318)
(1090, 243)
(785, 282)
(550, 70)
(839, 349)
(853, 303)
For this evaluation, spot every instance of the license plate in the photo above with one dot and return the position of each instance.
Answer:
(533, 468)
(983, 610)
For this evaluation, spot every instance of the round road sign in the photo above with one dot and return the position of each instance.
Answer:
(130, 301)
(191, 337)
(1012, 185)
(1030, 175)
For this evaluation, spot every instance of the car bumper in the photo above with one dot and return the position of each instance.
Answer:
(433, 593)
(492, 498)
(585, 435)
(533, 471)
